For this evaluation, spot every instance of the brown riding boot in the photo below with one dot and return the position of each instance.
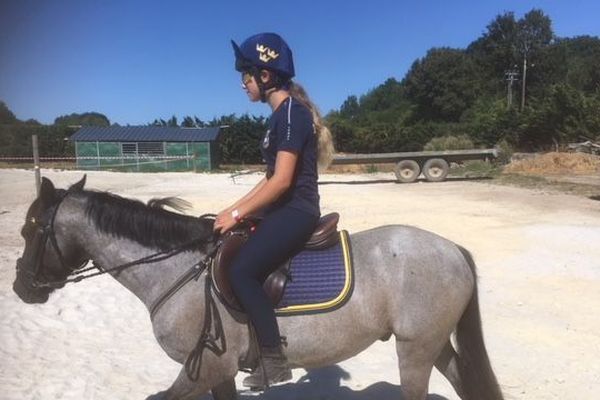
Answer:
(274, 365)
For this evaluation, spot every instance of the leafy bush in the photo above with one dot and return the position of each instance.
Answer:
(461, 142)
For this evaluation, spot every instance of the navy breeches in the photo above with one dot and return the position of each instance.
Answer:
(281, 233)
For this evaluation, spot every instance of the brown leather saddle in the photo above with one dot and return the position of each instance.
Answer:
(324, 236)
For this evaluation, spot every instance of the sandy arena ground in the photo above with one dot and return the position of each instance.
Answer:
(539, 264)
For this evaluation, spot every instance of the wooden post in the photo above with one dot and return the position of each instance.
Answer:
(36, 164)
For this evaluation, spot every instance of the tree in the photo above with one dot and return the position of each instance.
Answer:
(534, 32)
(240, 141)
(574, 61)
(159, 122)
(563, 115)
(442, 85)
(497, 50)
(172, 121)
(84, 119)
(192, 122)
(6, 116)
(350, 108)
(385, 96)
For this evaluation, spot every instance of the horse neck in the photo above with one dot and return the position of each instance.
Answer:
(147, 281)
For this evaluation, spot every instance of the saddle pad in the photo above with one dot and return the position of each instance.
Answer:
(320, 280)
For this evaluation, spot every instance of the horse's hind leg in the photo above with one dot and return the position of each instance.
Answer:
(447, 364)
(415, 363)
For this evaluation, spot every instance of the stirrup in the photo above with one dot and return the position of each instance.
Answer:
(272, 368)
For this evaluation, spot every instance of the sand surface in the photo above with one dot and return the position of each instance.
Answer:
(538, 255)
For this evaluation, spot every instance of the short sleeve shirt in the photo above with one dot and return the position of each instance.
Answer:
(291, 129)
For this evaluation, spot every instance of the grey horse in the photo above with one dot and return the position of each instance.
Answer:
(409, 283)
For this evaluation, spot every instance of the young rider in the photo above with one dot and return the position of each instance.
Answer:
(288, 195)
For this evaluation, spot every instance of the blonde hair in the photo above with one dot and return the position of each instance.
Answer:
(324, 138)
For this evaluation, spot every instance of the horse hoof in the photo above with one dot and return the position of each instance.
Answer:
(158, 396)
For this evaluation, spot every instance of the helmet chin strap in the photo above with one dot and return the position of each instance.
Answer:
(274, 83)
(262, 86)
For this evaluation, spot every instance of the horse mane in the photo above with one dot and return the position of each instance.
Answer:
(148, 224)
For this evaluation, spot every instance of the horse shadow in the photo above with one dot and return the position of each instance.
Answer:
(325, 384)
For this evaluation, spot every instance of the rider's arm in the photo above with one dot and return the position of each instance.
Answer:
(264, 193)
(273, 188)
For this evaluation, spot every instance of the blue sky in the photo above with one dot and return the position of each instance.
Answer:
(135, 61)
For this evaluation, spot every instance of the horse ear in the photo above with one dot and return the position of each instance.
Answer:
(47, 191)
(78, 186)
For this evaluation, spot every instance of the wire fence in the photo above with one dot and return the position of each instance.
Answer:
(124, 163)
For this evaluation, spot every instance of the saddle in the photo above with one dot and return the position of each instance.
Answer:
(324, 236)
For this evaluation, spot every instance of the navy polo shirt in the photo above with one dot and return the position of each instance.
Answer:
(291, 129)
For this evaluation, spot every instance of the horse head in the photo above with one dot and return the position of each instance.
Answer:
(47, 257)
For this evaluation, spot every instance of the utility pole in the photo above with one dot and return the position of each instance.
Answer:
(510, 76)
(524, 80)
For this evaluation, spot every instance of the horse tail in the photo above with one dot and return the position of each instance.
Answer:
(476, 374)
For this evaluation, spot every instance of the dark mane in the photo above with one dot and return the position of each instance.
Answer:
(151, 226)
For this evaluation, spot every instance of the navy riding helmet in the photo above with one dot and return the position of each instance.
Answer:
(265, 51)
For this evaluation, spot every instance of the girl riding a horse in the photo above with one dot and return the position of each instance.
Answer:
(293, 146)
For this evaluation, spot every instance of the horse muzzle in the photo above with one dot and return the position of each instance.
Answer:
(23, 287)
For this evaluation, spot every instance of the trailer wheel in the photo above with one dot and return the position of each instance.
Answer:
(435, 169)
(407, 171)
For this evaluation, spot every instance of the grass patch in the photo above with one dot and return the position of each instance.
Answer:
(474, 169)
(371, 169)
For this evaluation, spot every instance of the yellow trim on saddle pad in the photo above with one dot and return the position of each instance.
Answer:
(340, 298)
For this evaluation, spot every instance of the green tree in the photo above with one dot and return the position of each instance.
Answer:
(172, 122)
(6, 116)
(192, 122)
(496, 51)
(559, 117)
(241, 138)
(158, 122)
(84, 119)
(442, 85)
(534, 33)
(350, 108)
(489, 122)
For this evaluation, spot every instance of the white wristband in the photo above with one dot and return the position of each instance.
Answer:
(236, 215)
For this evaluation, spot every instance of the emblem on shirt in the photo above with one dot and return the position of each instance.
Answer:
(265, 142)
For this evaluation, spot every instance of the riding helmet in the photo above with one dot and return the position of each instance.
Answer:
(265, 51)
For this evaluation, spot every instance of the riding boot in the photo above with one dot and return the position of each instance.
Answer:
(272, 369)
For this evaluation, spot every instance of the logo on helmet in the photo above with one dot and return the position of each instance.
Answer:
(266, 54)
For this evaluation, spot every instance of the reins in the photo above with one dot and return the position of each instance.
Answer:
(152, 258)
(207, 340)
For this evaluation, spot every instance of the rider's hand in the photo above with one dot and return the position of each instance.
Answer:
(224, 222)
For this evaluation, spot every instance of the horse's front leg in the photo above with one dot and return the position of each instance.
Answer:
(185, 389)
(225, 391)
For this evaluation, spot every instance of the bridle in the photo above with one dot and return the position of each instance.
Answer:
(207, 340)
(46, 232)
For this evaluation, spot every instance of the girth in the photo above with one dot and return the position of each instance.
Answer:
(325, 235)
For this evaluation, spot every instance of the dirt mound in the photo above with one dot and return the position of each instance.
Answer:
(556, 163)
